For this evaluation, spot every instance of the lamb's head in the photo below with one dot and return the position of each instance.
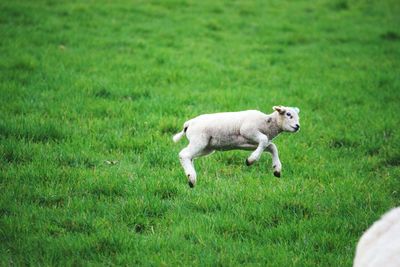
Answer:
(288, 118)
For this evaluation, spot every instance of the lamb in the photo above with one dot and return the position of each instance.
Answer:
(380, 244)
(245, 130)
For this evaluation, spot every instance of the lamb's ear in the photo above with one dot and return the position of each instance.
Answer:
(280, 109)
(297, 110)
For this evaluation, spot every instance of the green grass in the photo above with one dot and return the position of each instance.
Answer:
(82, 83)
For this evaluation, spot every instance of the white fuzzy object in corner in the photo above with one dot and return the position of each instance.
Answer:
(380, 244)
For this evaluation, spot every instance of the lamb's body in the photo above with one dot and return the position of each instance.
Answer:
(380, 244)
(227, 130)
(247, 130)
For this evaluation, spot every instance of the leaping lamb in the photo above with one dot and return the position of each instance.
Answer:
(245, 130)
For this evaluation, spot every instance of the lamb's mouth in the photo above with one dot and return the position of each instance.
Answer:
(295, 128)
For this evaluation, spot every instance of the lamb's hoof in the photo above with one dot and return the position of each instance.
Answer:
(277, 174)
(191, 185)
(248, 163)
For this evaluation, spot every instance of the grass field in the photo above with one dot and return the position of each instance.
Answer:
(91, 93)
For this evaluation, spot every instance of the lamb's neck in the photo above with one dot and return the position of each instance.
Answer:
(273, 127)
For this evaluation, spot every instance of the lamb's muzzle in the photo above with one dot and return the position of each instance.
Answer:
(246, 130)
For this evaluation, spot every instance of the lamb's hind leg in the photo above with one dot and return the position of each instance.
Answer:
(186, 156)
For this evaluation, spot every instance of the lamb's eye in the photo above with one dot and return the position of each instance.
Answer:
(288, 114)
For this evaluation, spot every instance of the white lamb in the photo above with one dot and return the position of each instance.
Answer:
(380, 244)
(246, 130)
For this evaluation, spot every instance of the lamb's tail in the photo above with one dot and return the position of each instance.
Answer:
(181, 134)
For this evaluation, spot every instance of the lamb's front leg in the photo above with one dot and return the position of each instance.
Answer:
(262, 141)
(276, 163)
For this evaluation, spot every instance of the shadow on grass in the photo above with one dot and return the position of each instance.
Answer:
(35, 132)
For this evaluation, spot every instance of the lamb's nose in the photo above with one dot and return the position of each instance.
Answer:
(297, 126)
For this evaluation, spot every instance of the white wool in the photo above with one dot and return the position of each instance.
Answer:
(380, 244)
(247, 130)
(178, 136)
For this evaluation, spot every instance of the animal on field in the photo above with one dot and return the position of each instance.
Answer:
(245, 130)
(380, 244)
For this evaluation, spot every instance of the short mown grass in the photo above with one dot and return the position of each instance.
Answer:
(91, 93)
